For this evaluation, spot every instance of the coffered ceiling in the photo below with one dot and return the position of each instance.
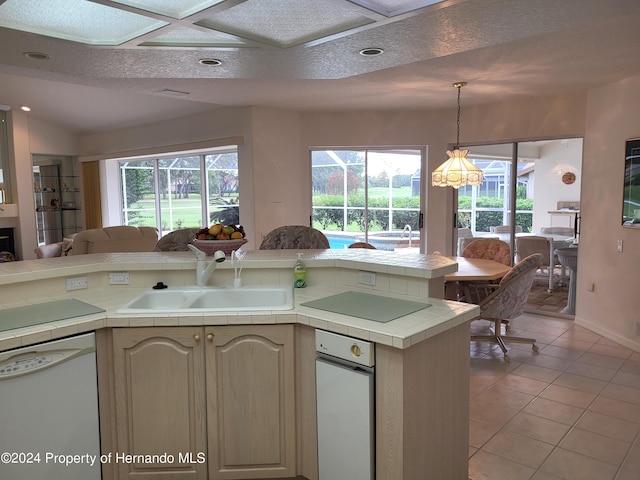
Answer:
(100, 64)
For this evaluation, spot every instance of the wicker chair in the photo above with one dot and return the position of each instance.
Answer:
(529, 245)
(490, 249)
(362, 245)
(176, 241)
(294, 237)
(507, 301)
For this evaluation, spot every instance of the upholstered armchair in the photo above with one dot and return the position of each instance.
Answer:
(294, 237)
(507, 301)
(490, 249)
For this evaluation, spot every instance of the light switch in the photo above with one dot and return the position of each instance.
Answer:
(619, 245)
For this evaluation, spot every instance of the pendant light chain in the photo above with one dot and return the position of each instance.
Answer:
(459, 87)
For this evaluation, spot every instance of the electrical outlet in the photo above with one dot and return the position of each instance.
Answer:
(367, 278)
(118, 278)
(77, 283)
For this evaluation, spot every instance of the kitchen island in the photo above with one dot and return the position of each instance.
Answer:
(422, 359)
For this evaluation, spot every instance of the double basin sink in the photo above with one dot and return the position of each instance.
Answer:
(211, 299)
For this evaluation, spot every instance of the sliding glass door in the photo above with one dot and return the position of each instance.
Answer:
(368, 195)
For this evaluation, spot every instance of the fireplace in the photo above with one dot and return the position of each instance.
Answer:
(6, 244)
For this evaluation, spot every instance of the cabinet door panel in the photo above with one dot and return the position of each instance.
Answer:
(160, 400)
(250, 397)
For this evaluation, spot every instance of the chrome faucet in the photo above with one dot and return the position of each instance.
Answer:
(204, 270)
(407, 230)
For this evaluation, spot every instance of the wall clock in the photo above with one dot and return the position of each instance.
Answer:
(568, 178)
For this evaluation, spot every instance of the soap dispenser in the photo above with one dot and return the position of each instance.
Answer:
(299, 273)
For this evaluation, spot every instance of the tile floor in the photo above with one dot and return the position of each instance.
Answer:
(570, 412)
(541, 301)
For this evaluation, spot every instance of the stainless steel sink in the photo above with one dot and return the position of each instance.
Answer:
(211, 299)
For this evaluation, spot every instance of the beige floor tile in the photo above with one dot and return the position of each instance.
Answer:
(519, 448)
(569, 465)
(502, 395)
(544, 476)
(616, 408)
(549, 361)
(606, 449)
(518, 383)
(556, 411)
(610, 350)
(627, 379)
(572, 343)
(539, 428)
(632, 462)
(631, 366)
(538, 373)
(480, 432)
(601, 360)
(491, 414)
(592, 371)
(561, 352)
(620, 392)
(578, 382)
(617, 428)
(580, 333)
(487, 466)
(568, 396)
(625, 474)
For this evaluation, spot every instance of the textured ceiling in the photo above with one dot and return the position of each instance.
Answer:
(503, 48)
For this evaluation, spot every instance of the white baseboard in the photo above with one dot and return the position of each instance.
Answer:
(608, 334)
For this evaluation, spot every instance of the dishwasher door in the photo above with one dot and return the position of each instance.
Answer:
(49, 413)
(345, 413)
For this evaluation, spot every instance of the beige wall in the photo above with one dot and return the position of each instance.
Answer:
(612, 308)
(274, 166)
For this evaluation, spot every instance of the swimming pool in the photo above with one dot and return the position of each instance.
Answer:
(340, 241)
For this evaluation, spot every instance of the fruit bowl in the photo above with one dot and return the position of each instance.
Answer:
(211, 246)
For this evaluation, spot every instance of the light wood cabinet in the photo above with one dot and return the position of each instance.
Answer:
(160, 400)
(250, 402)
(225, 395)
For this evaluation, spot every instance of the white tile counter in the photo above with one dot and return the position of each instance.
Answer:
(398, 275)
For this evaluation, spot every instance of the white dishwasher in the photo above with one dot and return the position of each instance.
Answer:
(49, 417)
(345, 407)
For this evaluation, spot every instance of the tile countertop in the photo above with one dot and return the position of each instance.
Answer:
(399, 333)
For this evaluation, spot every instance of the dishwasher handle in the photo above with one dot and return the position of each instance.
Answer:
(33, 361)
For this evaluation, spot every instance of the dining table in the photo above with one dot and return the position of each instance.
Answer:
(472, 270)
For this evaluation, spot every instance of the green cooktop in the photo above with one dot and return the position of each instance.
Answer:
(364, 305)
(38, 313)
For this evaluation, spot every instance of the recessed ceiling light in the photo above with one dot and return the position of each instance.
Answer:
(24, 108)
(36, 55)
(371, 52)
(210, 62)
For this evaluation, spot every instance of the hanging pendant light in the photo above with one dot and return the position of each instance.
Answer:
(457, 171)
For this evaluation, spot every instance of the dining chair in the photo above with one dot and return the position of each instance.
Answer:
(504, 229)
(490, 249)
(177, 240)
(506, 302)
(362, 245)
(294, 237)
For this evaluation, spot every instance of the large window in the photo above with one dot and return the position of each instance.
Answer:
(368, 195)
(173, 192)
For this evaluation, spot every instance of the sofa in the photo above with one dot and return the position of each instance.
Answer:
(56, 249)
(122, 238)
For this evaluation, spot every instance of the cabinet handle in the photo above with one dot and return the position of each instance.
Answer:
(196, 337)
(210, 337)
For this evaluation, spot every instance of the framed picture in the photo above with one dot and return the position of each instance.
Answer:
(631, 190)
